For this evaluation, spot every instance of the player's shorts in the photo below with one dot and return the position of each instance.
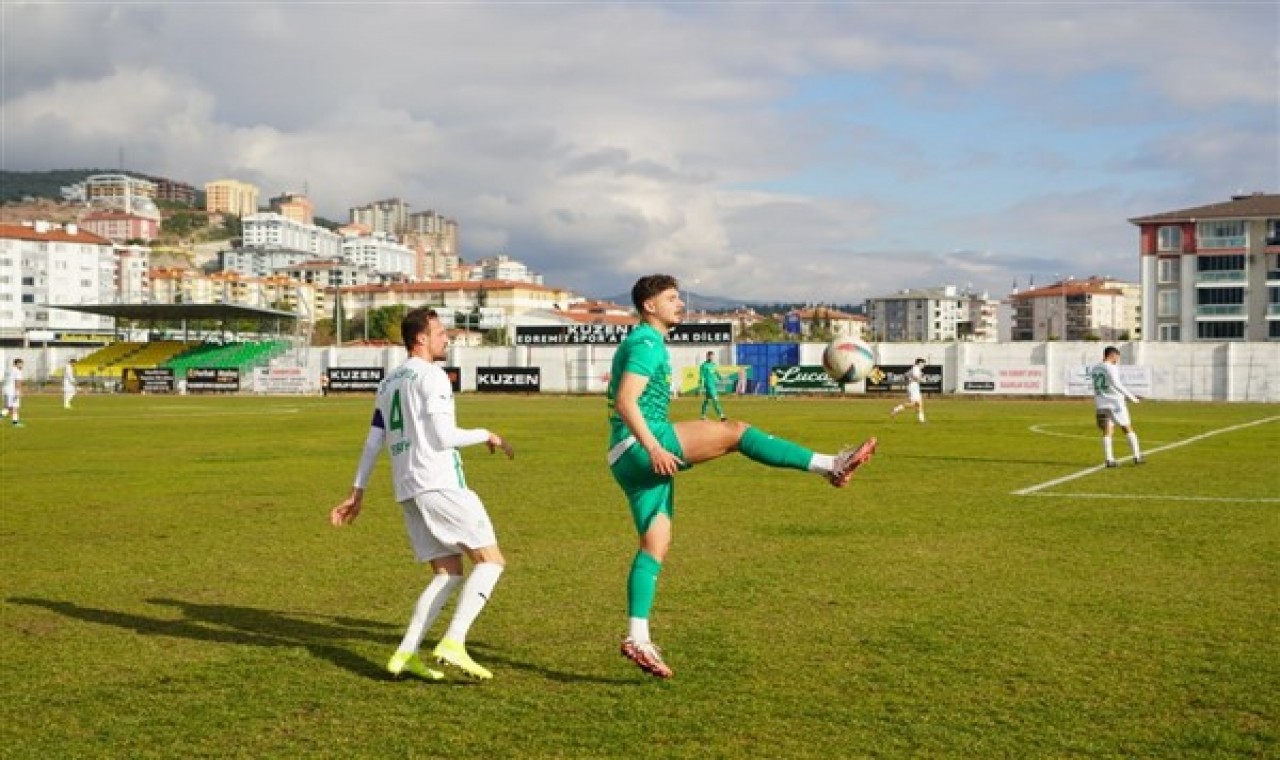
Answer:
(648, 493)
(12, 401)
(443, 523)
(1117, 414)
(913, 393)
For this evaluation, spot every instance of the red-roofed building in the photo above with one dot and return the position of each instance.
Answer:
(41, 265)
(120, 226)
(1095, 308)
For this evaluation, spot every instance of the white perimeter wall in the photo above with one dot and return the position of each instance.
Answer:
(1228, 371)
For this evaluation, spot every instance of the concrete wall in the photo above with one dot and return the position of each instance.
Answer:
(1227, 371)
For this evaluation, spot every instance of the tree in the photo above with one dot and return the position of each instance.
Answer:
(764, 331)
(384, 322)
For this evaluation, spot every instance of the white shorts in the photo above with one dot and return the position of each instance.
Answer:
(913, 394)
(1117, 414)
(12, 401)
(442, 523)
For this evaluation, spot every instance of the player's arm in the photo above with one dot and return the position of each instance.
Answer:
(1114, 375)
(627, 402)
(349, 509)
(443, 428)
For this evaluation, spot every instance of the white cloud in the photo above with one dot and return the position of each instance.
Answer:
(598, 142)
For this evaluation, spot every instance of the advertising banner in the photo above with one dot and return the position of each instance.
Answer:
(213, 380)
(508, 379)
(1004, 380)
(353, 379)
(805, 378)
(148, 380)
(280, 380)
(1136, 378)
(892, 377)
(455, 378)
(581, 335)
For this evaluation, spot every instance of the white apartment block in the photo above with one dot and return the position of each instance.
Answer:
(274, 231)
(380, 253)
(132, 274)
(510, 299)
(503, 267)
(43, 265)
(932, 314)
(192, 286)
(259, 262)
(229, 196)
(328, 273)
(121, 192)
(390, 216)
(1212, 272)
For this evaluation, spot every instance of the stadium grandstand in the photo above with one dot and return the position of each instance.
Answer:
(190, 321)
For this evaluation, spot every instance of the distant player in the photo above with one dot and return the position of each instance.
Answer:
(709, 377)
(646, 450)
(414, 416)
(914, 377)
(1109, 396)
(13, 392)
(68, 384)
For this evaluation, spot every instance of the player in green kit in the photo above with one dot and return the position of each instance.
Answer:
(646, 450)
(709, 378)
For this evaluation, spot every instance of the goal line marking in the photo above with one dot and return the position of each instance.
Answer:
(1097, 468)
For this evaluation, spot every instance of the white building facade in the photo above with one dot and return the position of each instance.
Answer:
(274, 231)
(932, 314)
(43, 265)
(380, 253)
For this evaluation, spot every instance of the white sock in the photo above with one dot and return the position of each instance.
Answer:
(638, 629)
(1106, 448)
(920, 415)
(428, 609)
(822, 464)
(1133, 444)
(475, 595)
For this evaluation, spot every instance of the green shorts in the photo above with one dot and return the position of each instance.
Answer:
(648, 493)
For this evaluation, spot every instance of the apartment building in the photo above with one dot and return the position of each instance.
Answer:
(275, 231)
(435, 238)
(293, 206)
(381, 253)
(43, 265)
(229, 196)
(121, 192)
(273, 292)
(1212, 272)
(503, 267)
(932, 314)
(511, 299)
(1094, 308)
(120, 226)
(389, 216)
(172, 191)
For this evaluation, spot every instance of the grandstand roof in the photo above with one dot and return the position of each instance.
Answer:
(176, 312)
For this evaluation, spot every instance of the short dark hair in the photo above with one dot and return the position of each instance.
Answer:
(1109, 350)
(710, 354)
(649, 286)
(414, 323)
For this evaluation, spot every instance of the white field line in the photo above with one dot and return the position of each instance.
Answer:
(1092, 437)
(1131, 497)
(1157, 450)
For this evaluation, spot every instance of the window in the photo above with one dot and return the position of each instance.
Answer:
(1220, 330)
(1170, 332)
(28, 298)
(28, 281)
(1220, 263)
(1273, 329)
(1220, 296)
(1169, 303)
(1273, 232)
(1167, 270)
(1223, 233)
(1169, 239)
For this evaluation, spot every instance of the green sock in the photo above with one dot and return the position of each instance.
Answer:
(642, 584)
(775, 452)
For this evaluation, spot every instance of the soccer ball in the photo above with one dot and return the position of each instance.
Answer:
(848, 360)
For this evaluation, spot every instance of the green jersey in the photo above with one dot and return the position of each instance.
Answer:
(642, 352)
(710, 376)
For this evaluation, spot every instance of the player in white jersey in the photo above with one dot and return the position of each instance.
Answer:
(914, 376)
(68, 384)
(1109, 396)
(13, 391)
(445, 519)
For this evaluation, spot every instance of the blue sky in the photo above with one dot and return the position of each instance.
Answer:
(784, 151)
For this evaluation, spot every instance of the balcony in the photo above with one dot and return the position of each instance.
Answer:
(1224, 242)
(1273, 311)
(1220, 310)
(1220, 277)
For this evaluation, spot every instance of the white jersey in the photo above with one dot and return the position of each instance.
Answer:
(1108, 391)
(69, 378)
(12, 379)
(415, 410)
(914, 376)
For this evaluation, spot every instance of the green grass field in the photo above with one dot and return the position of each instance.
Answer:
(172, 588)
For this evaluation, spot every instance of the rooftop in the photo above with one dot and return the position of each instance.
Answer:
(1251, 206)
